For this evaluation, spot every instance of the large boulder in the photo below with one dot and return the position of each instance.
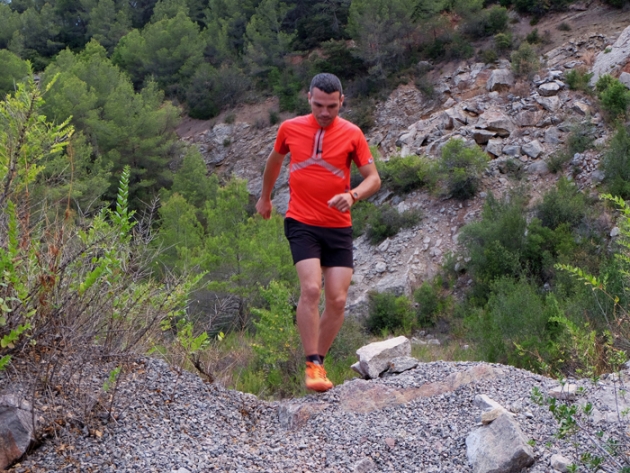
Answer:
(500, 80)
(499, 447)
(16, 429)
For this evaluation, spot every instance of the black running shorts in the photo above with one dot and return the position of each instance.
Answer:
(332, 246)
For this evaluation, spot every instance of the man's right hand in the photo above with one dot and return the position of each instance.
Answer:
(263, 207)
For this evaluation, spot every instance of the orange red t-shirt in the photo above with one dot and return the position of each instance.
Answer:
(320, 167)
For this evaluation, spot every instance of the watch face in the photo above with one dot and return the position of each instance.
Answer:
(356, 196)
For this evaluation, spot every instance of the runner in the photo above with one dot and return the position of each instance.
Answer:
(317, 223)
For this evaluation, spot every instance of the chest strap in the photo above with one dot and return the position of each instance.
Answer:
(317, 158)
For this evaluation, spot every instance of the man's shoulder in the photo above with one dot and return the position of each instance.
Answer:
(346, 125)
(299, 121)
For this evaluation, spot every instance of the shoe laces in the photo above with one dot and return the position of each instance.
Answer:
(316, 371)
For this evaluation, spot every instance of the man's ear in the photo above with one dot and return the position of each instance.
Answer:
(341, 99)
(308, 97)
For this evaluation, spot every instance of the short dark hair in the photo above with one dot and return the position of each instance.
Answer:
(326, 82)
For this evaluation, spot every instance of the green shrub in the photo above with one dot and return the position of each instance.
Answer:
(503, 41)
(514, 327)
(533, 37)
(361, 212)
(430, 302)
(604, 81)
(496, 243)
(564, 26)
(386, 222)
(404, 174)
(579, 79)
(276, 333)
(489, 56)
(460, 167)
(614, 97)
(486, 22)
(525, 61)
(388, 312)
(616, 164)
(564, 204)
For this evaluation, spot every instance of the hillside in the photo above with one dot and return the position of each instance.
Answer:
(459, 105)
(159, 417)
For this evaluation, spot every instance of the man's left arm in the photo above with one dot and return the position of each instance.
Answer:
(371, 184)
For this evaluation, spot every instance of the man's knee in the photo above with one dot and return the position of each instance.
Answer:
(310, 293)
(337, 302)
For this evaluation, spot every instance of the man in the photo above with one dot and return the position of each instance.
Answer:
(318, 224)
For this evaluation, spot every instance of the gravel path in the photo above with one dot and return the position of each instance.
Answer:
(412, 422)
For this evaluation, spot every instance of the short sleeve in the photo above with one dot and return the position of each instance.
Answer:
(362, 154)
(281, 140)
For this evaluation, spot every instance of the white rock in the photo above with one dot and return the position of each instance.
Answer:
(565, 391)
(374, 358)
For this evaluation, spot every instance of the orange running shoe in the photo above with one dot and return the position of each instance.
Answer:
(316, 379)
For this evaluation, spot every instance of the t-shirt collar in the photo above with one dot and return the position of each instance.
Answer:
(314, 122)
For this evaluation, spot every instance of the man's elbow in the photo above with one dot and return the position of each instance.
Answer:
(377, 182)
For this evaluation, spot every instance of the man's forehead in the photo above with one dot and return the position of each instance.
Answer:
(336, 95)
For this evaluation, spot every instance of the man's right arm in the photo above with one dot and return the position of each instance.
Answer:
(272, 171)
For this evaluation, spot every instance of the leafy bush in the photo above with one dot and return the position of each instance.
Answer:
(388, 312)
(211, 90)
(489, 56)
(386, 222)
(578, 79)
(525, 60)
(564, 204)
(616, 164)
(430, 302)
(503, 41)
(486, 22)
(533, 37)
(514, 327)
(497, 242)
(404, 174)
(460, 167)
(564, 26)
(361, 213)
(276, 334)
(79, 302)
(614, 96)
(13, 70)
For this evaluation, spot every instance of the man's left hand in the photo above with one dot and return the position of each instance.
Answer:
(341, 202)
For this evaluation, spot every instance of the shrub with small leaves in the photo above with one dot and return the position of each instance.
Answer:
(388, 312)
(525, 61)
(403, 174)
(460, 167)
(578, 79)
(387, 221)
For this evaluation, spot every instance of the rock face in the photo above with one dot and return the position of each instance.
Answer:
(499, 447)
(374, 358)
(16, 429)
(611, 60)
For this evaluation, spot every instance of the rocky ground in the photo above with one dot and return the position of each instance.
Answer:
(416, 421)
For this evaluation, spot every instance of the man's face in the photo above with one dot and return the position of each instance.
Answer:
(325, 107)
